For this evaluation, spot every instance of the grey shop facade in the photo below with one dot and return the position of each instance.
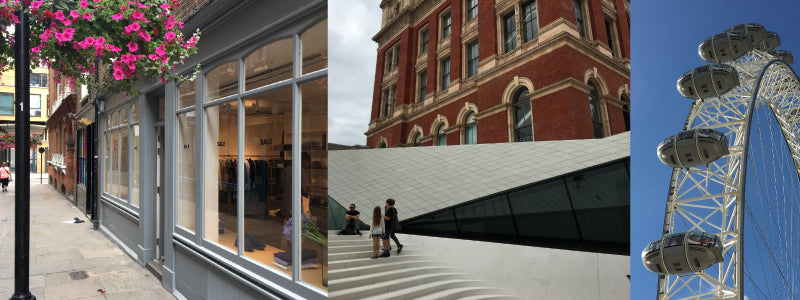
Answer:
(187, 171)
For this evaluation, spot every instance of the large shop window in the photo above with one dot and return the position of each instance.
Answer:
(120, 165)
(247, 155)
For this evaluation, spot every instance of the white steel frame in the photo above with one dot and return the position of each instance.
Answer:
(711, 198)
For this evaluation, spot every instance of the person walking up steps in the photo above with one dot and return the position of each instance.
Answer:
(5, 176)
(376, 230)
(391, 224)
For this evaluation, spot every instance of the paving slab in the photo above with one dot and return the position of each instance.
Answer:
(59, 248)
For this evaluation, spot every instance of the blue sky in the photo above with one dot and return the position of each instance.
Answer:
(665, 36)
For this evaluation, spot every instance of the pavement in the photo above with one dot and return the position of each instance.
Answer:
(60, 251)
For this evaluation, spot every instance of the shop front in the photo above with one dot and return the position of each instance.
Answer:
(217, 183)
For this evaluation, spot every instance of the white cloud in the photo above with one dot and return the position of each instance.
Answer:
(351, 70)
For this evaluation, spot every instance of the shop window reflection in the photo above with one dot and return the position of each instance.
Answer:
(107, 164)
(123, 166)
(315, 141)
(135, 165)
(221, 140)
(223, 81)
(186, 93)
(186, 180)
(315, 47)
(269, 64)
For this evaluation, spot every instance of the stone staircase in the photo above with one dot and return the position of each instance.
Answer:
(413, 274)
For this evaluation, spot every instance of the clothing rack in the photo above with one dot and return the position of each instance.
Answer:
(246, 156)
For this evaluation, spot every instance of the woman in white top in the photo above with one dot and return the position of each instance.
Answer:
(376, 230)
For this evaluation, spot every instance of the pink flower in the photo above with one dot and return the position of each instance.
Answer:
(131, 28)
(84, 3)
(164, 6)
(46, 35)
(98, 45)
(36, 4)
(35, 49)
(113, 48)
(169, 36)
(86, 43)
(118, 75)
(152, 57)
(74, 14)
(128, 58)
(117, 16)
(138, 15)
(133, 46)
(160, 50)
(87, 16)
(145, 36)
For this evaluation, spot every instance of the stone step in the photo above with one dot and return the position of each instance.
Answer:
(358, 242)
(411, 287)
(425, 288)
(377, 268)
(360, 247)
(463, 292)
(490, 297)
(368, 254)
(360, 262)
(387, 275)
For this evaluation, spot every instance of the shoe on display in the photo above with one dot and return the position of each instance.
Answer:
(257, 242)
(248, 245)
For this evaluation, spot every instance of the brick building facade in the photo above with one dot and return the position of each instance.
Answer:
(61, 133)
(477, 71)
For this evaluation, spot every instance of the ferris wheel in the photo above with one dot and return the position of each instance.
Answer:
(741, 131)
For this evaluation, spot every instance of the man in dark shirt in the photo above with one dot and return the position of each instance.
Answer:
(351, 221)
(391, 224)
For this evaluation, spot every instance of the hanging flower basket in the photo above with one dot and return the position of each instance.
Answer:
(137, 39)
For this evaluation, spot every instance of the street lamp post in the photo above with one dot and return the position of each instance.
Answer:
(22, 141)
(41, 171)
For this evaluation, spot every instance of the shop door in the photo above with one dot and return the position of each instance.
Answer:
(159, 192)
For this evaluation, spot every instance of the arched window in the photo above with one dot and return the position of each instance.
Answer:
(626, 112)
(415, 140)
(523, 130)
(470, 130)
(594, 110)
(381, 145)
(441, 137)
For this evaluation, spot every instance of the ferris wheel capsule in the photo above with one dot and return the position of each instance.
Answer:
(708, 81)
(693, 148)
(756, 31)
(771, 41)
(682, 253)
(783, 55)
(725, 47)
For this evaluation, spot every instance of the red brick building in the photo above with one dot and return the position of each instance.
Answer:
(60, 128)
(478, 71)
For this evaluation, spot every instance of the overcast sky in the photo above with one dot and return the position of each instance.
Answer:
(352, 55)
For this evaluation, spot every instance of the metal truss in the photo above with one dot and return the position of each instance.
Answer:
(710, 198)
